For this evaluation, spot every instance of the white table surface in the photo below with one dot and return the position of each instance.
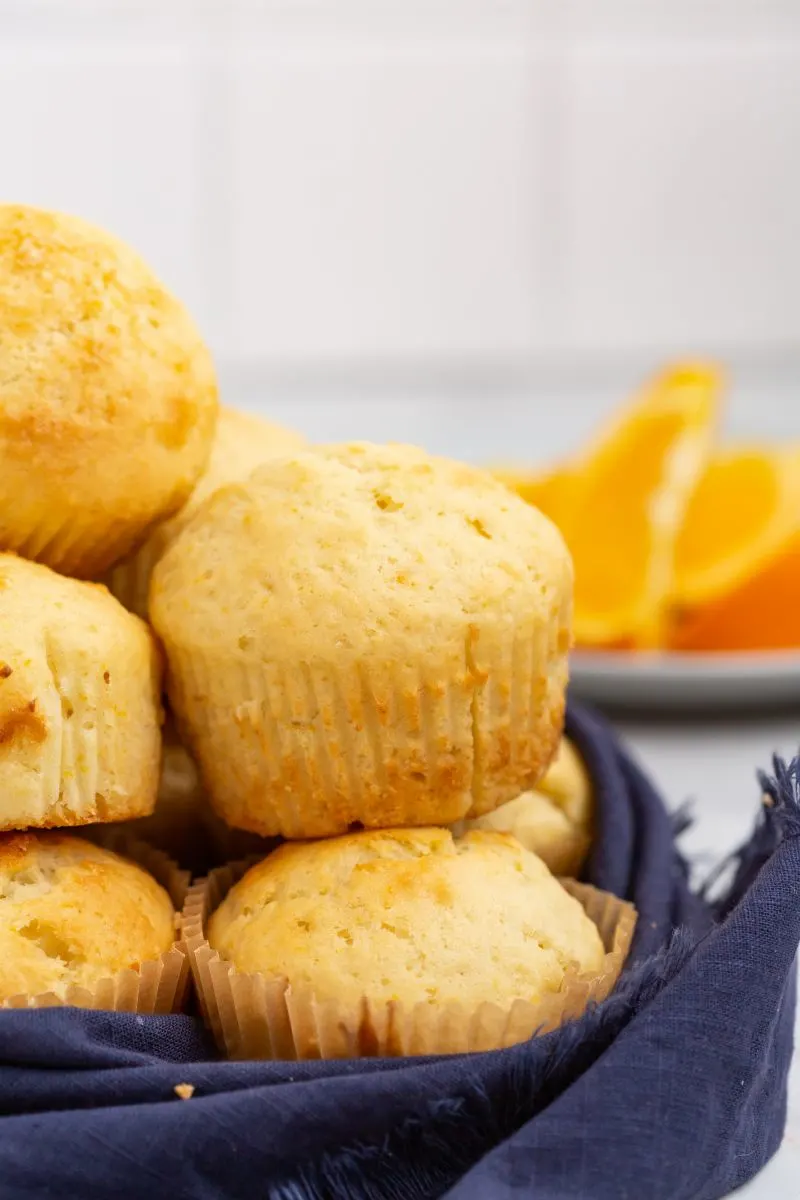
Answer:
(712, 762)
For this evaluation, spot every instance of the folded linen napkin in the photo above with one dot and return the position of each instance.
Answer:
(672, 1089)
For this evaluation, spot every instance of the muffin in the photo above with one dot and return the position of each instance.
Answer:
(554, 821)
(541, 827)
(72, 914)
(80, 711)
(397, 941)
(242, 442)
(568, 785)
(108, 397)
(365, 636)
(178, 823)
(183, 824)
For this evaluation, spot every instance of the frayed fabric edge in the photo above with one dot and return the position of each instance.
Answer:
(431, 1150)
(454, 1133)
(778, 820)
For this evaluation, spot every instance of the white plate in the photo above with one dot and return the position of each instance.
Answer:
(660, 681)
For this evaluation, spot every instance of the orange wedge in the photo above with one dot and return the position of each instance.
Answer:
(737, 557)
(631, 491)
(551, 491)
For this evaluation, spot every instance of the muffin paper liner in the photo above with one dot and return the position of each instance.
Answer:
(160, 985)
(69, 543)
(308, 750)
(256, 1016)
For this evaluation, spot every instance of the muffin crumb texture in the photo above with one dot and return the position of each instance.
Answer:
(108, 396)
(554, 821)
(73, 913)
(365, 635)
(241, 443)
(80, 703)
(408, 915)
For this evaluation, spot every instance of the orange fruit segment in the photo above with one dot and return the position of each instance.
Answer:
(742, 512)
(551, 491)
(630, 493)
(737, 557)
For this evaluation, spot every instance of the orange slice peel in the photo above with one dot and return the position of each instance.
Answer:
(737, 557)
(631, 493)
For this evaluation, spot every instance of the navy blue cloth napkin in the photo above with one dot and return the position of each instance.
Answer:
(673, 1089)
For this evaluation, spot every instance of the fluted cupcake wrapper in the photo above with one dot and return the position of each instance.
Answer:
(93, 753)
(158, 986)
(308, 751)
(311, 750)
(518, 712)
(71, 542)
(256, 1016)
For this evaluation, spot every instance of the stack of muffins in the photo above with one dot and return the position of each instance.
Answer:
(364, 645)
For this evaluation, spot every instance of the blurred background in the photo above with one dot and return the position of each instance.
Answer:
(475, 224)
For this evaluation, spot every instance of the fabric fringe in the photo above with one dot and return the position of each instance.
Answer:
(779, 819)
(683, 818)
(427, 1153)
(783, 790)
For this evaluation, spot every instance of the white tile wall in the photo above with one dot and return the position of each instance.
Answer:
(108, 134)
(681, 195)
(709, 22)
(457, 182)
(397, 212)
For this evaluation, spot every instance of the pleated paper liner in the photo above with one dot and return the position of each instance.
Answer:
(307, 754)
(253, 1016)
(160, 985)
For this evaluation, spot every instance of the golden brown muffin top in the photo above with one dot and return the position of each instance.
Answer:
(241, 444)
(44, 615)
(73, 913)
(412, 915)
(357, 550)
(105, 384)
(32, 593)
